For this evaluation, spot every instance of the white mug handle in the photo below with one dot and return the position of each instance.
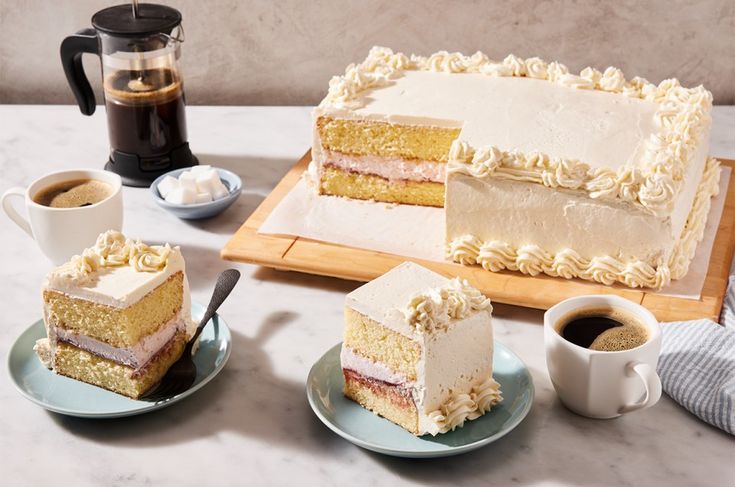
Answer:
(12, 212)
(651, 382)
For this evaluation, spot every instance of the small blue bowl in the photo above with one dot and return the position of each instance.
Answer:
(198, 211)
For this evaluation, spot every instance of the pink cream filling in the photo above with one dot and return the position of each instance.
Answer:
(391, 168)
(367, 368)
(137, 355)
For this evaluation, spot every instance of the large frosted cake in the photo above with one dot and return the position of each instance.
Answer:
(585, 175)
(118, 315)
(418, 350)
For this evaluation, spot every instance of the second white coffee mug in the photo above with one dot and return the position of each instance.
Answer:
(62, 232)
(601, 384)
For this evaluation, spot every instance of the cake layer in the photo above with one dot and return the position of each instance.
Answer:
(377, 343)
(387, 167)
(361, 137)
(338, 182)
(390, 401)
(81, 365)
(136, 356)
(117, 327)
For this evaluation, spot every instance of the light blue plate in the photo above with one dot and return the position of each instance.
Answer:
(365, 429)
(73, 398)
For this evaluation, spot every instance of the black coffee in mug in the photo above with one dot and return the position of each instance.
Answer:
(603, 329)
(74, 193)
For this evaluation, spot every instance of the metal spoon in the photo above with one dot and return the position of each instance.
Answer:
(183, 372)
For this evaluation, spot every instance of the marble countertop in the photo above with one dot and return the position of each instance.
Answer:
(252, 425)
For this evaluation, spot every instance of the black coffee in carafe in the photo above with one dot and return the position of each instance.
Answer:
(139, 46)
(145, 112)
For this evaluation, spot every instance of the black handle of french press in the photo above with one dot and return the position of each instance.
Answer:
(72, 48)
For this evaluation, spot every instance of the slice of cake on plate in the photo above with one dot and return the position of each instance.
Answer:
(418, 350)
(587, 175)
(118, 315)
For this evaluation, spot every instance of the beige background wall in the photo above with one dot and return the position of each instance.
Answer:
(284, 52)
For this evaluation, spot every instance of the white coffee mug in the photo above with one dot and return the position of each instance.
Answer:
(63, 232)
(600, 384)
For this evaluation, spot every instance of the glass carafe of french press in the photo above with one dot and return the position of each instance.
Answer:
(139, 46)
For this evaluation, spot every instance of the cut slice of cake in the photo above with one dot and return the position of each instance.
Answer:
(539, 164)
(118, 315)
(418, 350)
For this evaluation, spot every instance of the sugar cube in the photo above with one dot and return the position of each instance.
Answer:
(203, 198)
(220, 191)
(166, 185)
(207, 181)
(188, 180)
(182, 195)
(195, 170)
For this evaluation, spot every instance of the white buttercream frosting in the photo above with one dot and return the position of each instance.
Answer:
(651, 179)
(117, 271)
(433, 310)
(606, 269)
(112, 249)
(465, 406)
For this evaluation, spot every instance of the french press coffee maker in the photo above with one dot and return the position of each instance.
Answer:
(140, 46)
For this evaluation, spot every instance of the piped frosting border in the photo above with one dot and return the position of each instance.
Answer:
(533, 260)
(463, 407)
(683, 115)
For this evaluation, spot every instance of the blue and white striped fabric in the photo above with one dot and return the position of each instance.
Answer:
(727, 317)
(697, 366)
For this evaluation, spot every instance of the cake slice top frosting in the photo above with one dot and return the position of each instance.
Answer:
(116, 271)
(414, 301)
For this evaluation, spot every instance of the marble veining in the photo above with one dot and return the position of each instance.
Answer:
(252, 425)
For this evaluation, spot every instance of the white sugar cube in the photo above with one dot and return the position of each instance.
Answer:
(166, 185)
(196, 170)
(188, 180)
(207, 181)
(182, 196)
(220, 191)
(203, 198)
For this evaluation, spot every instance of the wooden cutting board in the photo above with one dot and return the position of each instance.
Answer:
(542, 292)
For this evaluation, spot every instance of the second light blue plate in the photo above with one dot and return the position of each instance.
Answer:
(365, 429)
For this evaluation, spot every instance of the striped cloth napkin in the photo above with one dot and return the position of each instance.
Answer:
(697, 365)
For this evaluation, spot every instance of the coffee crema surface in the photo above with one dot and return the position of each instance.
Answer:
(73, 193)
(604, 329)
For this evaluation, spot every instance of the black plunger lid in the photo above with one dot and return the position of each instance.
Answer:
(151, 19)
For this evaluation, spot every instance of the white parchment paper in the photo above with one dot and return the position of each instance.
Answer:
(417, 231)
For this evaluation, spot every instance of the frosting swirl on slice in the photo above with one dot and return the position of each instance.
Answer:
(463, 407)
(433, 310)
(112, 249)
